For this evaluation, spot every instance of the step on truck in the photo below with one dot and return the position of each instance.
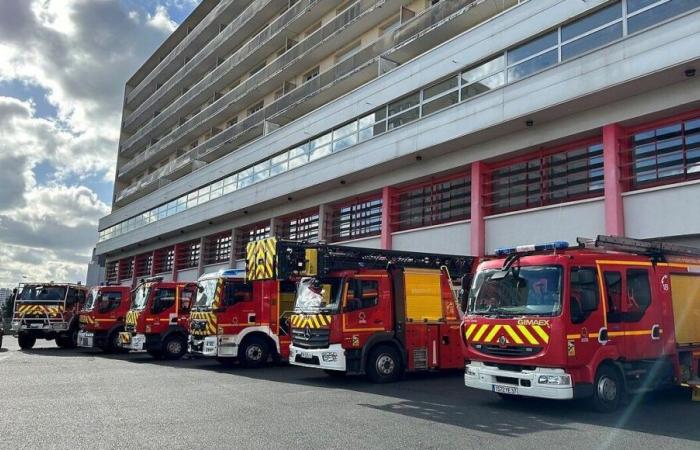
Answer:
(234, 319)
(158, 320)
(365, 311)
(102, 317)
(599, 320)
(47, 311)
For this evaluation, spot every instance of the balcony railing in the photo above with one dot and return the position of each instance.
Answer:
(177, 52)
(222, 43)
(201, 122)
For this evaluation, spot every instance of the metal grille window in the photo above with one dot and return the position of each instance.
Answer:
(126, 268)
(164, 259)
(301, 227)
(249, 234)
(432, 203)
(361, 218)
(663, 155)
(111, 271)
(188, 255)
(549, 177)
(144, 264)
(217, 249)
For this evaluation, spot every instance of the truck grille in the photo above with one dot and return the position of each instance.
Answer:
(311, 337)
(513, 351)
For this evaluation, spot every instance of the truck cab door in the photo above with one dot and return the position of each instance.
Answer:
(586, 317)
(187, 296)
(642, 313)
(365, 309)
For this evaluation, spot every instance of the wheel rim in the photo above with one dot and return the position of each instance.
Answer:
(174, 347)
(385, 365)
(254, 353)
(607, 389)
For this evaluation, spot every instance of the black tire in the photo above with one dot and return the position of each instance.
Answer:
(384, 364)
(0, 340)
(608, 390)
(112, 345)
(68, 341)
(62, 342)
(174, 347)
(254, 352)
(25, 341)
(335, 373)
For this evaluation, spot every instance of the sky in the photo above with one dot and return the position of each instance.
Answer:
(63, 67)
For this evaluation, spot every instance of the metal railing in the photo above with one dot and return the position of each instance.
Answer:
(222, 41)
(226, 72)
(179, 49)
(197, 123)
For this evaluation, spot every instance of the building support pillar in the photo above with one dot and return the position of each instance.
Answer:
(614, 209)
(477, 235)
(176, 255)
(134, 280)
(153, 262)
(200, 263)
(387, 208)
(232, 255)
(322, 222)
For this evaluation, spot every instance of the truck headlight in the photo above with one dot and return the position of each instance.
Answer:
(329, 357)
(558, 380)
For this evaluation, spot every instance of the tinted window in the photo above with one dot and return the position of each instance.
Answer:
(163, 300)
(187, 297)
(584, 295)
(361, 294)
(638, 293)
(613, 294)
(109, 301)
(236, 292)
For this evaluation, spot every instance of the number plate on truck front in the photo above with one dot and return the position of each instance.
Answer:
(305, 355)
(505, 389)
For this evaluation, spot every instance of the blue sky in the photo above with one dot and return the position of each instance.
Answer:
(63, 66)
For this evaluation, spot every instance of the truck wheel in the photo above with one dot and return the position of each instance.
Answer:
(607, 390)
(25, 341)
(174, 347)
(254, 352)
(113, 343)
(384, 364)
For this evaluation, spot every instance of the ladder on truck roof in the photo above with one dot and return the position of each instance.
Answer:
(277, 258)
(652, 248)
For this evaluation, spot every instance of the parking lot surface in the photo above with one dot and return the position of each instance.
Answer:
(53, 398)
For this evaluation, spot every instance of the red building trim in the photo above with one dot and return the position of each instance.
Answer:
(613, 135)
(477, 233)
(387, 208)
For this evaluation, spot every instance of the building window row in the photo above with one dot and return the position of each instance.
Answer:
(357, 219)
(433, 202)
(584, 34)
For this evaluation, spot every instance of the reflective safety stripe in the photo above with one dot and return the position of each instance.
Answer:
(481, 332)
(538, 329)
(311, 320)
(470, 330)
(492, 334)
(513, 335)
(530, 338)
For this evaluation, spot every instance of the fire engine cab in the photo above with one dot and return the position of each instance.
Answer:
(102, 317)
(158, 320)
(238, 320)
(599, 320)
(368, 311)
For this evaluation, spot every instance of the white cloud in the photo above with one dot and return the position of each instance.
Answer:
(81, 52)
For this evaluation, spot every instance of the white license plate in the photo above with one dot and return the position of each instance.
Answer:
(505, 389)
(305, 355)
(37, 325)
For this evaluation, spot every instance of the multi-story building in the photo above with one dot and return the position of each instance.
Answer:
(448, 126)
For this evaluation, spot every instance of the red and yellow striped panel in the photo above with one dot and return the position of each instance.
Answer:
(518, 334)
(39, 310)
(311, 320)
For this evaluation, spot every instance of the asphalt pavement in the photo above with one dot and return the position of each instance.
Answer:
(53, 398)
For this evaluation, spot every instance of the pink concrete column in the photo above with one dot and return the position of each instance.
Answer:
(614, 210)
(477, 237)
(176, 254)
(387, 208)
(153, 262)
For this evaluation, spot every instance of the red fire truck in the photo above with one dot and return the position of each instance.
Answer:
(47, 311)
(235, 320)
(367, 311)
(606, 318)
(158, 320)
(102, 317)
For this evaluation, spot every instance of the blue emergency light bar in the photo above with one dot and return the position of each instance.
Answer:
(556, 245)
(232, 273)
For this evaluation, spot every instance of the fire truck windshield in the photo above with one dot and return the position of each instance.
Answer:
(91, 299)
(206, 290)
(42, 292)
(318, 295)
(140, 297)
(520, 291)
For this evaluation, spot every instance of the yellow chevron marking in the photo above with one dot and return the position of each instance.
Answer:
(524, 331)
(543, 334)
(513, 335)
(492, 334)
(480, 333)
(469, 331)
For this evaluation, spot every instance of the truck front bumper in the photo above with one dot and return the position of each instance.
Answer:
(331, 358)
(131, 341)
(204, 345)
(86, 339)
(540, 382)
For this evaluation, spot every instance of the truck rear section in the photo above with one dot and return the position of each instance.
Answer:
(158, 320)
(47, 311)
(598, 320)
(102, 317)
(238, 320)
(368, 311)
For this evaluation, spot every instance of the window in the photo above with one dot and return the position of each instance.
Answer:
(591, 31)
(548, 178)
(249, 234)
(310, 75)
(403, 111)
(613, 295)
(532, 56)
(164, 259)
(359, 219)
(440, 95)
(126, 268)
(163, 300)
(187, 297)
(655, 12)
(108, 301)
(217, 248)
(188, 255)
(303, 227)
(256, 107)
(667, 154)
(111, 270)
(584, 295)
(144, 264)
(236, 292)
(432, 203)
(361, 294)
(348, 51)
(638, 294)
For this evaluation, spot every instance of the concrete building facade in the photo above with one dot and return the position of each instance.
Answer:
(441, 126)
